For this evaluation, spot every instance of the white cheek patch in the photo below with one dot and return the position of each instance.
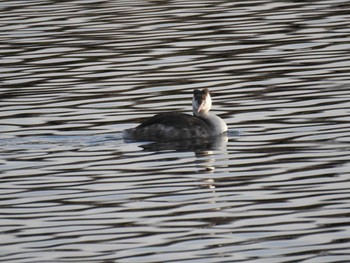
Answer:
(208, 103)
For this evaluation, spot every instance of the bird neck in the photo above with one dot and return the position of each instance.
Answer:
(215, 122)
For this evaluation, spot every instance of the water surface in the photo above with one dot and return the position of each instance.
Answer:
(75, 74)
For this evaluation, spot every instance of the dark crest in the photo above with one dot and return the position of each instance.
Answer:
(200, 95)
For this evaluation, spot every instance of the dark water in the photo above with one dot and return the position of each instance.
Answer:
(75, 74)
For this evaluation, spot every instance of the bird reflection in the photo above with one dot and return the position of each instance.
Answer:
(203, 150)
(199, 146)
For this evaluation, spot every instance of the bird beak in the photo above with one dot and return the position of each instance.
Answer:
(201, 107)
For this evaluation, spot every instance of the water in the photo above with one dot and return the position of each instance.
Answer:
(75, 74)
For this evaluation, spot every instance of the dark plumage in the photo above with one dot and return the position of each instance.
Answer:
(169, 127)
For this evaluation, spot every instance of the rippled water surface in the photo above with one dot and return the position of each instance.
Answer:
(75, 74)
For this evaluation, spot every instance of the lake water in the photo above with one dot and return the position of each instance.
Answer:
(75, 74)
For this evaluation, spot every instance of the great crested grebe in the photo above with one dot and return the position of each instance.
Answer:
(178, 126)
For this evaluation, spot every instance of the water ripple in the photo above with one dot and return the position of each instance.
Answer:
(75, 74)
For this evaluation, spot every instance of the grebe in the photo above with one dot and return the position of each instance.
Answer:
(179, 126)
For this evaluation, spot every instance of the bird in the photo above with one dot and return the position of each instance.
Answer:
(174, 126)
